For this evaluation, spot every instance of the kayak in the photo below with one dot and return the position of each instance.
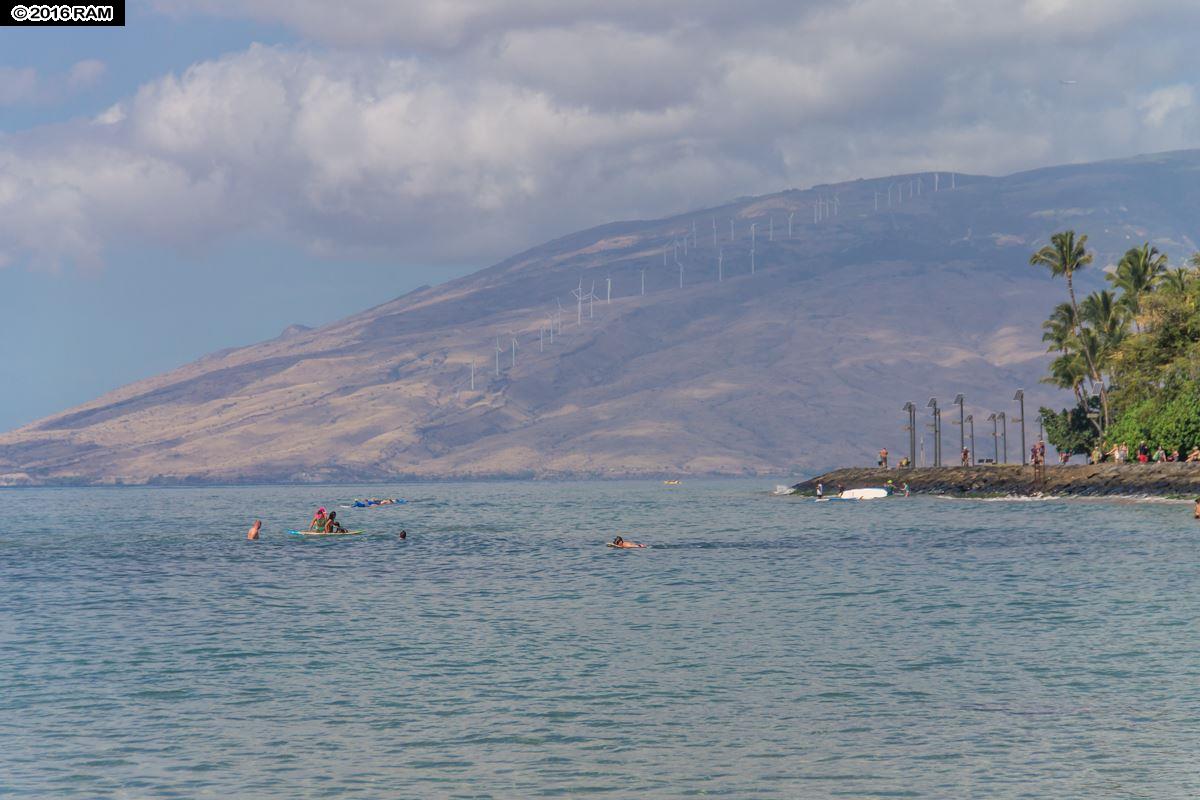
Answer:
(322, 533)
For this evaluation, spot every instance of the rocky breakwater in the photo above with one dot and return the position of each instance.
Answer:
(1077, 480)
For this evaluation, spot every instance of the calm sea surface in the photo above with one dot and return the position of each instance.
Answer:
(763, 647)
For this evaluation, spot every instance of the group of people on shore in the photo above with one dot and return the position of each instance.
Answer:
(1120, 454)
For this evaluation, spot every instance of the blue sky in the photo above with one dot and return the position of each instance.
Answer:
(217, 170)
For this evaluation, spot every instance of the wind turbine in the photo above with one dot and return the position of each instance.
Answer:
(514, 351)
(608, 297)
(499, 350)
(643, 281)
(591, 298)
(578, 295)
(731, 229)
(790, 217)
(695, 241)
(472, 374)
(720, 265)
(714, 231)
(681, 276)
(771, 229)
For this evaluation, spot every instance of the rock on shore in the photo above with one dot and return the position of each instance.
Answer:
(1079, 480)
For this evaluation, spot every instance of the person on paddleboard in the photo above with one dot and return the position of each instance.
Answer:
(332, 525)
(318, 520)
(820, 490)
(619, 542)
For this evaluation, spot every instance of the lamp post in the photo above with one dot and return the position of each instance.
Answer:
(1004, 434)
(1020, 398)
(971, 422)
(995, 439)
(937, 431)
(962, 431)
(911, 408)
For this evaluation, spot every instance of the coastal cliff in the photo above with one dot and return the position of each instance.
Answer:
(1077, 480)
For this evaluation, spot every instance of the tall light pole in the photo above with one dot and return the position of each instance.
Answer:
(971, 422)
(995, 439)
(1020, 398)
(962, 431)
(1004, 434)
(937, 431)
(912, 433)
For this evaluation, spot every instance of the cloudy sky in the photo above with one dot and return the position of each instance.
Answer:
(219, 169)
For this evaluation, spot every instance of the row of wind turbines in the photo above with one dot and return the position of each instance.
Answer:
(823, 207)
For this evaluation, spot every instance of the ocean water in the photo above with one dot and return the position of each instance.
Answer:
(762, 647)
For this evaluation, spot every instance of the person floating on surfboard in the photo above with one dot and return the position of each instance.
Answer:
(619, 542)
(332, 525)
(318, 520)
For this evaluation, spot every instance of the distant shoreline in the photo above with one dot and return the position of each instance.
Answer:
(1167, 480)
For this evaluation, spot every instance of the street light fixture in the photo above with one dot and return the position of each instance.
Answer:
(992, 418)
(911, 408)
(937, 431)
(962, 431)
(1020, 398)
(1003, 434)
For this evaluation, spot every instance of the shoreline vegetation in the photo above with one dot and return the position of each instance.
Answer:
(1130, 356)
(1167, 480)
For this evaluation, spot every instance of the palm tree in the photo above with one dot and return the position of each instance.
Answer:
(1105, 315)
(1064, 256)
(1176, 280)
(1068, 372)
(1137, 273)
(1059, 329)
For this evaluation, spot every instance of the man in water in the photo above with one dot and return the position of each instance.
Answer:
(332, 525)
(1196, 509)
(619, 542)
(252, 534)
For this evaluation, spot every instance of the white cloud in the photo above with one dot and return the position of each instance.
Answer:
(86, 73)
(18, 86)
(472, 129)
(1163, 103)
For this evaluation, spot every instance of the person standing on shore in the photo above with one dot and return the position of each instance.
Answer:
(883, 455)
(966, 457)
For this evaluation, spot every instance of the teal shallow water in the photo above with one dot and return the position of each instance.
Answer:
(764, 647)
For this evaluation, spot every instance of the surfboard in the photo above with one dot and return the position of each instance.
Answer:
(864, 494)
(322, 533)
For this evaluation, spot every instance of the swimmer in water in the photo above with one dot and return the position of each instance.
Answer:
(1196, 509)
(403, 534)
(619, 542)
(252, 534)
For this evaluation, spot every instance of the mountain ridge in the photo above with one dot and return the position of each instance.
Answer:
(793, 368)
